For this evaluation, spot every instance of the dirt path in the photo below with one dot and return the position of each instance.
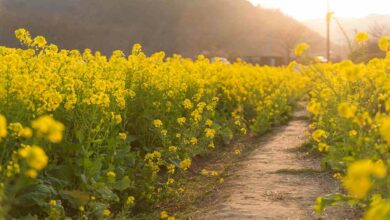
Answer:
(275, 182)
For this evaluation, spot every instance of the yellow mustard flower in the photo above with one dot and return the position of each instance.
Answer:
(358, 179)
(35, 157)
(130, 200)
(318, 134)
(185, 164)
(210, 133)
(111, 174)
(157, 123)
(384, 128)
(164, 215)
(384, 43)
(346, 110)
(181, 121)
(122, 136)
(47, 126)
(361, 37)
(301, 48)
(106, 212)
(3, 126)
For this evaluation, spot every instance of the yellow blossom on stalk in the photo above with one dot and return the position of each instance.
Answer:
(318, 135)
(171, 168)
(378, 211)
(35, 157)
(53, 202)
(237, 152)
(211, 145)
(193, 140)
(39, 41)
(111, 174)
(204, 172)
(164, 215)
(15, 128)
(322, 147)
(213, 173)
(20, 131)
(181, 121)
(210, 133)
(31, 173)
(170, 181)
(106, 212)
(47, 126)
(118, 119)
(346, 110)
(301, 48)
(384, 128)
(3, 126)
(187, 104)
(361, 37)
(209, 122)
(352, 133)
(157, 123)
(26, 132)
(326, 93)
(122, 136)
(243, 131)
(23, 36)
(164, 132)
(358, 179)
(171, 218)
(172, 148)
(130, 200)
(185, 164)
(314, 108)
(363, 119)
(387, 105)
(384, 43)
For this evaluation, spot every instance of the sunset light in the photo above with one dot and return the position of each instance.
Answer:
(312, 9)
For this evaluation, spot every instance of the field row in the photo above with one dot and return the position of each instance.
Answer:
(89, 136)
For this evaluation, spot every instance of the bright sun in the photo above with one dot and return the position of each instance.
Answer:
(311, 9)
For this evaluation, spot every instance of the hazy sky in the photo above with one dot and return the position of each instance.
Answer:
(309, 9)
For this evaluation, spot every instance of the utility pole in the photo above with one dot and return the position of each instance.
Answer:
(328, 19)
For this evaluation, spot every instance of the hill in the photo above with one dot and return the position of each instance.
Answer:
(374, 24)
(228, 28)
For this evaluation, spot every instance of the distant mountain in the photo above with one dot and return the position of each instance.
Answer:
(228, 28)
(374, 24)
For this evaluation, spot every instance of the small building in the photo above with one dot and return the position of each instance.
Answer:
(265, 60)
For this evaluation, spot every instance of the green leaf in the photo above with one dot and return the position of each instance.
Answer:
(76, 198)
(37, 194)
(330, 200)
(92, 168)
(107, 194)
(122, 184)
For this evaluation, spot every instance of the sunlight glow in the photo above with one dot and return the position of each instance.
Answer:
(312, 9)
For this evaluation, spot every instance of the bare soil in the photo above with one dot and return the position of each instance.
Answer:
(274, 181)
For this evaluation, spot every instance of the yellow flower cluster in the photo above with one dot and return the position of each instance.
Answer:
(130, 113)
(301, 48)
(3, 127)
(35, 158)
(350, 104)
(20, 131)
(48, 127)
(358, 179)
(361, 37)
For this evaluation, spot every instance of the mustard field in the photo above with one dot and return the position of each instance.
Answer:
(86, 136)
